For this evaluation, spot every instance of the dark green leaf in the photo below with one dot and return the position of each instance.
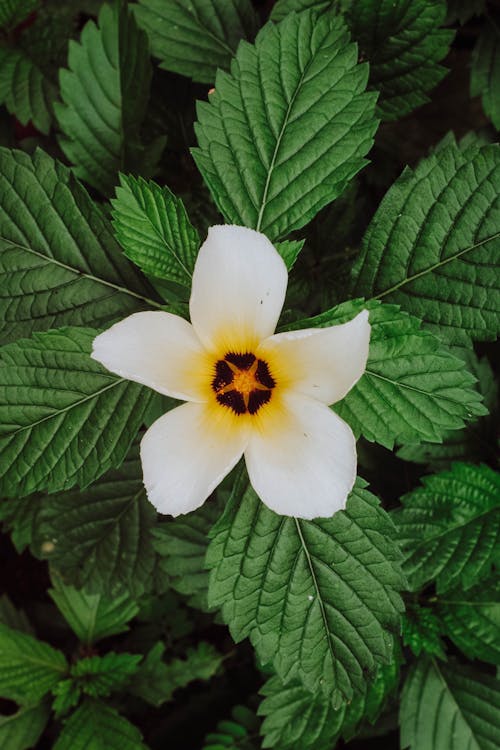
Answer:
(95, 726)
(485, 71)
(102, 675)
(283, 8)
(422, 631)
(24, 89)
(13, 12)
(14, 618)
(240, 732)
(21, 731)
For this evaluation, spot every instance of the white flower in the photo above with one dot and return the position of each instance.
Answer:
(248, 391)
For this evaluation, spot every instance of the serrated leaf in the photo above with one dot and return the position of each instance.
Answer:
(95, 726)
(422, 631)
(152, 226)
(67, 694)
(101, 538)
(29, 668)
(412, 389)
(432, 246)
(105, 93)
(59, 262)
(196, 37)
(92, 617)
(21, 731)
(283, 8)
(403, 43)
(14, 618)
(64, 419)
(317, 598)
(472, 619)
(449, 528)
(13, 12)
(295, 719)
(237, 733)
(449, 708)
(103, 675)
(485, 70)
(301, 124)
(24, 89)
(182, 545)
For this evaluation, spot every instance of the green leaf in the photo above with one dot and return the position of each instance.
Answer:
(476, 441)
(151, 679)
(240, 732)
(103, 675)
(485, 71)
(450, 526)
(289, 251)
(196, 37)
(301, 124)
(432, 244)
(283, 8)
(67, 694)
(295, 719)
(21, 731)
(449, 708)
(24, 88)
(105, 93)
(64, 420)
(59, 262)
(182, 545)
(14, 618)
(19, 517)
(317, 598)
(153, 228)
(412, 389)
(472, 619)
(422, 631)
(13, 12)
(92, 617)
(100, 538)
(95, 726)
(403, 43)
(28, 668)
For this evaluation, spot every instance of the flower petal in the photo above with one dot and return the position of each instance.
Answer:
(323, 363)
(305, 464)
(157, 349)
(186, 453)
(239, 286)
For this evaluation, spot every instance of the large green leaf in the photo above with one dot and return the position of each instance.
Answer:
(403, 43)
(92, 616)
(317, 598)
(95, 726)
(433, 245)
(105, 93)
(295, 719)
(449, 527)
(412, 389)
(64, 420)
(196, 37)
(59, 262)
(447, 707)
(472, 619)
(153, 228)
(24, 89)
(29, 668)
(485, 71)
(100, 538)
(21, 730)
(300, 124)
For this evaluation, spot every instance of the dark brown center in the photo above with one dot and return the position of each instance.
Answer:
(242, 382)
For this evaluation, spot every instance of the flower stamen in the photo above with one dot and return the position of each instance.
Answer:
(242, 382)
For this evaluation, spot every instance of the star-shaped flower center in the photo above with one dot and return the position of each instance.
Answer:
(242, 382)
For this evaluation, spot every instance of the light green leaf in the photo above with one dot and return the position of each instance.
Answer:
(92, 617)
(64, 420)
(472, 619)
(449, 708)
(105, 93)
(59, 262)
(422, 631)
(485, 71)
(295, 719)
(21, 731)
(403, 43)
(103, 675)
(301, 124)
(14, 618)
(182, 545)
(29, 668)
(24, 88)
(196, 37)
(317, 598)
(449, 528)
(412, 389)
(95, 726)
(283, 8)
(100, 538)
(433, 245)
(13, 12)
(240, 732)
(153, 228)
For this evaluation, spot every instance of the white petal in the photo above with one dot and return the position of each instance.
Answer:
(239, 286)
(323, 363)
(186, 453)
(305, 465)
(156, 349)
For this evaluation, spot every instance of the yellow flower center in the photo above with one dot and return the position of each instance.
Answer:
(242, 383)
